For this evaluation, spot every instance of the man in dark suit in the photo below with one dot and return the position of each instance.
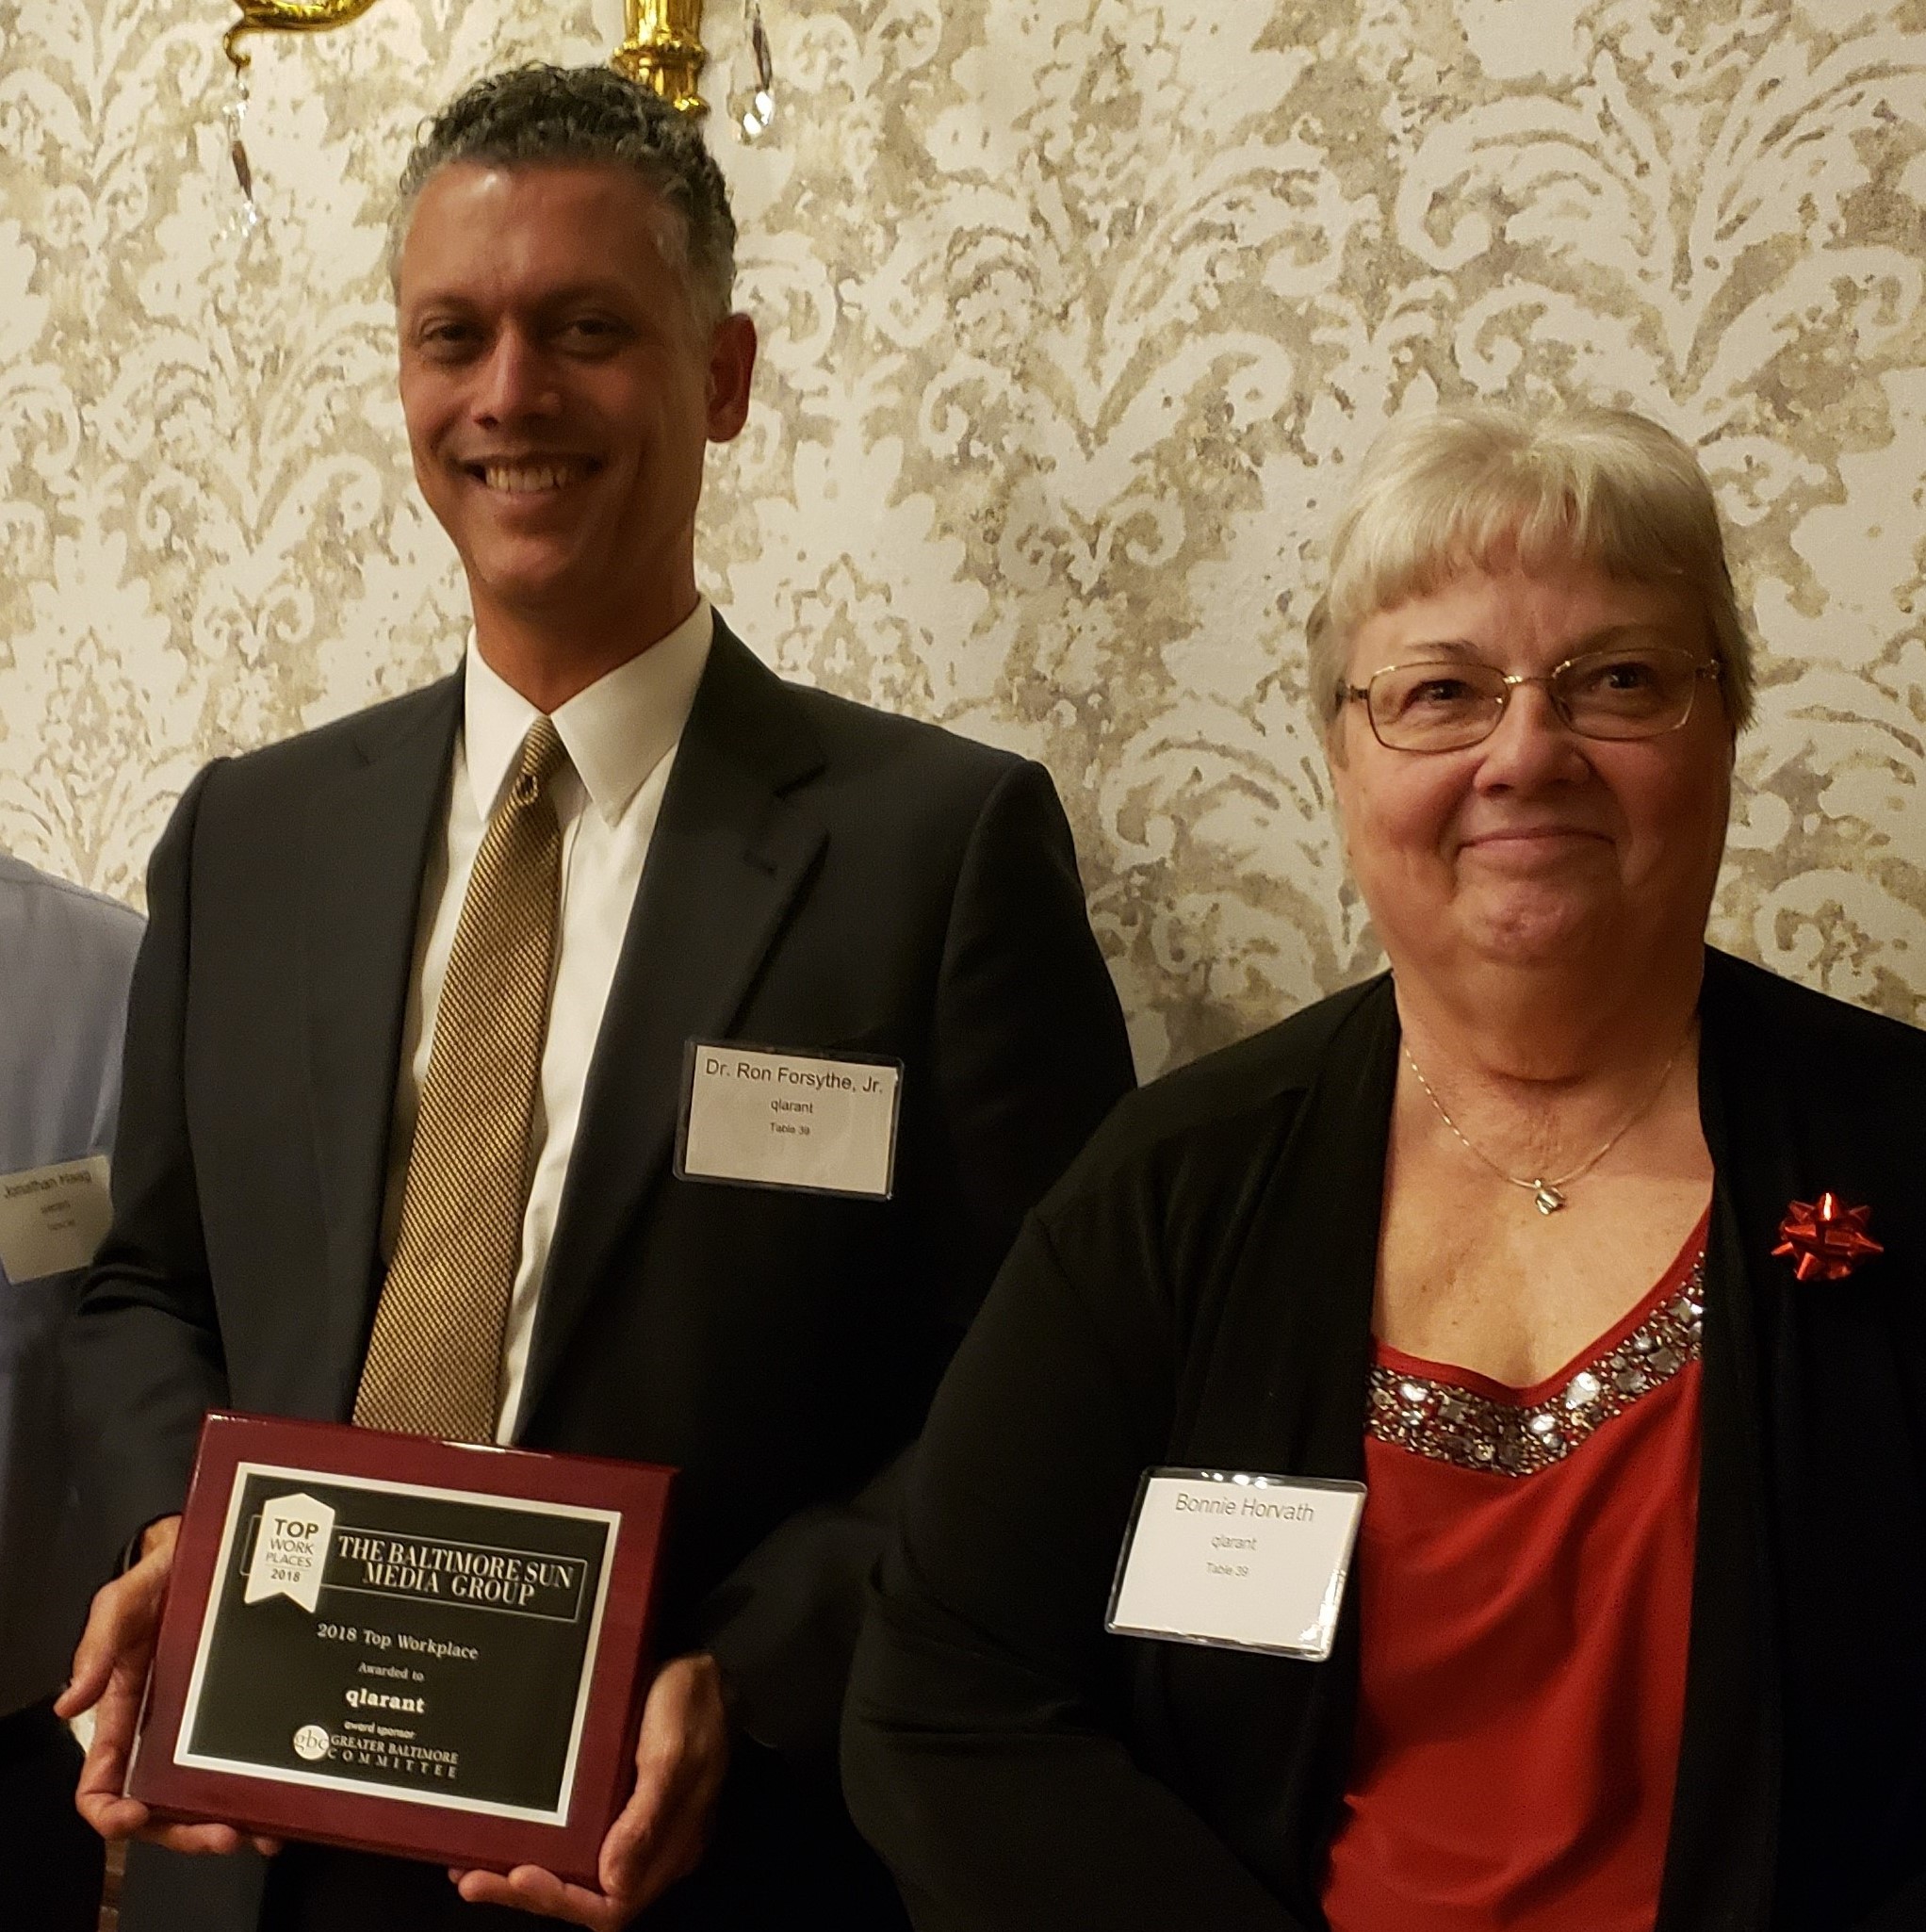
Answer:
(408, 1048)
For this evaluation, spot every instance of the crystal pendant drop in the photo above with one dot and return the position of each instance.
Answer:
(760, 109)
(248, 216)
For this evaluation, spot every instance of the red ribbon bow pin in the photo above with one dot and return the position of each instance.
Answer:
(1828, 1239)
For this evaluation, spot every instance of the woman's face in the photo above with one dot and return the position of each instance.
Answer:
(1537, 846)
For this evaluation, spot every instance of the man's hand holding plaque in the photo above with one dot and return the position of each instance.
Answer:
(681, 1757)
(110, 1679)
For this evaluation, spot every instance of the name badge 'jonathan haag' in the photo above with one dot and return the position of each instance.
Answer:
(52, 1219)
(1241, 1562)
(760, 1117)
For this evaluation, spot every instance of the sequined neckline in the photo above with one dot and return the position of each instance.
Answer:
(1449, 1423)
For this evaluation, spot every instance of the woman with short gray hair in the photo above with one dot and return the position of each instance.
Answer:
(1456, 1460)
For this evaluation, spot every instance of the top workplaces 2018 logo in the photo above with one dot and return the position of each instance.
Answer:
(291, 1551)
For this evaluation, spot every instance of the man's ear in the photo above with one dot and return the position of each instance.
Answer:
(731, 369)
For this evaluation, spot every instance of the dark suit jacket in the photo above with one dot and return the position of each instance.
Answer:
(1198, 1291)
(822, 876)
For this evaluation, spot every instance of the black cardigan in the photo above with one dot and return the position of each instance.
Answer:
(1198, 1291)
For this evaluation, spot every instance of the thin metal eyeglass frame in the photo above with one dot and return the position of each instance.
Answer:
(1361, 694)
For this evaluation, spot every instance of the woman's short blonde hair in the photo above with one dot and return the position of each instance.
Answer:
(1486, 487)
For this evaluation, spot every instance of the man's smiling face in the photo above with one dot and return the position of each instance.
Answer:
(560, 386)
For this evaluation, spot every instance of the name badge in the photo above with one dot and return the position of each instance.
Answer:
(1243, 1562)
(52, 1219)
(824, 1123)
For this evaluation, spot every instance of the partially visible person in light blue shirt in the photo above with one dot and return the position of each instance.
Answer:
(66, 957)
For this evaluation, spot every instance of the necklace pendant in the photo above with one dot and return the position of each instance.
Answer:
(1546, 1198)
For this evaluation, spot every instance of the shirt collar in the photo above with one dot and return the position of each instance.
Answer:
(615, 732)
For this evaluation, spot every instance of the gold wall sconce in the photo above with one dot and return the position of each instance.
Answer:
(663, 49)
(268, 17)
(287, 17)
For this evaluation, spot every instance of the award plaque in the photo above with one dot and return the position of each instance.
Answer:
(428, 1648)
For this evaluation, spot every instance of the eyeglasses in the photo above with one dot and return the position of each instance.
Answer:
(1637, 691)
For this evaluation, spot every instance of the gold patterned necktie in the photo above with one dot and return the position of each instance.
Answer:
(433, 1364)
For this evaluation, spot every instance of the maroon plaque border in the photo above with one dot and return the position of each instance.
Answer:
(604, 1773)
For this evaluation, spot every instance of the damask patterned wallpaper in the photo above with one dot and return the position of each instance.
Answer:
(1074, 313)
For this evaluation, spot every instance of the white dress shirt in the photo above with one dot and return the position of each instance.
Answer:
(621, 736)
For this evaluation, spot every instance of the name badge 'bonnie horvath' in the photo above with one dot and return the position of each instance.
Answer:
(1241, 1562)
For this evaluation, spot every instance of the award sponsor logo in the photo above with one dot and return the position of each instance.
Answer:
(311, 1743)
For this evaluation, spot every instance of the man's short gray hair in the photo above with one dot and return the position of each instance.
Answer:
(542, 116)
(1487, 488)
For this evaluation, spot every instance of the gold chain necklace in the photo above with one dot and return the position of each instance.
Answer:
(1548, 1195)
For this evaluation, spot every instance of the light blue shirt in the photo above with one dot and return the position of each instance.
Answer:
(65, 959)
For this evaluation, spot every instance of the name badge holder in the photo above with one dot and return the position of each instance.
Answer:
(1235, 1561)
(799, 1121)
(52, 1219)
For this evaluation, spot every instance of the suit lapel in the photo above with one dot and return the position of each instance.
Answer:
(368, 840)
(729, 857)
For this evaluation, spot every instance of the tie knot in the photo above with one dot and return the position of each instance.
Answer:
(543, 756)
